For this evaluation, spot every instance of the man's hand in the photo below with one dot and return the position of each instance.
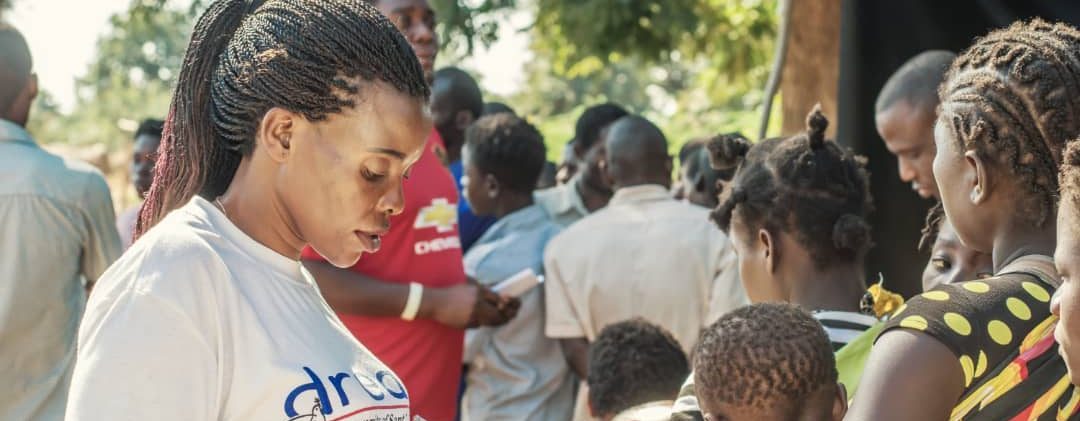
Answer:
(469, 305)
(493, 309)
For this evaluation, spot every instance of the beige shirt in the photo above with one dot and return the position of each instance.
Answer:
(644, 255)
(56, 232)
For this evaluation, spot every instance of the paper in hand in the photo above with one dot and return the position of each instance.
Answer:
(519, 284)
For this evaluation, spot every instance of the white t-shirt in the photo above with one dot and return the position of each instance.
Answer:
(198, 321)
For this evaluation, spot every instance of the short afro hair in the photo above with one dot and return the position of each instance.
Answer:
(634, 362)
(768, 356)
(593, 121)
(916, 81)
(462, 89)
(150, 127)
(495, 108)
(509, 148)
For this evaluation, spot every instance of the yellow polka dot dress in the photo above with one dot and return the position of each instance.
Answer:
(1001, 331)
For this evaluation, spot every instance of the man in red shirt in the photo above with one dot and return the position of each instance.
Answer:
(409, 302)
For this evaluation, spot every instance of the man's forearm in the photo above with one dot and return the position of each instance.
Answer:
(355, 293)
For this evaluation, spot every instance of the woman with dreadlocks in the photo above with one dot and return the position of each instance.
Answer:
(279, 104)
(984, 349)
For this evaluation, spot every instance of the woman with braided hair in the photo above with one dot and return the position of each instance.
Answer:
(293, 122)
(984, 349)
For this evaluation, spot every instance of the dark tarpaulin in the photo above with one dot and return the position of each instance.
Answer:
(876, 38)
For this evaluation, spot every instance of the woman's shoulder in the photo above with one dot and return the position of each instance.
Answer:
(174, 260)
(982, 322)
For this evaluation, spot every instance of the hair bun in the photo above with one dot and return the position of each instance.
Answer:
(851, 232)
(726, 151)
(816, 123)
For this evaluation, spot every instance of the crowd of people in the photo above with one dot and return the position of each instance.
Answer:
(335, 229)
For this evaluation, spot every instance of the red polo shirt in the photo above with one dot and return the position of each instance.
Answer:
(422, 246)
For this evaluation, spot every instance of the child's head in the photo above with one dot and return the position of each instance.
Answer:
(767, 362)
(797, 204)
(632, 363)
(503, 157)
(1066, 301)
(905, 112)
(1009, 104)
(950, 260)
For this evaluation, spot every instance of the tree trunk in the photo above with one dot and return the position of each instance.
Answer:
(811, 69)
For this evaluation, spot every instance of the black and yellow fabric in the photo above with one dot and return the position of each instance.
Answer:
(1002, 332)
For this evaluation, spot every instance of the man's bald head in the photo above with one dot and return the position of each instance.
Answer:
(16, 78)
(636, 153)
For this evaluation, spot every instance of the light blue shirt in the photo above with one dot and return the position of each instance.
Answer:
(516, 373)
(57, 231)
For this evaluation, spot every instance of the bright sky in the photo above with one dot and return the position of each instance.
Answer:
(63, 33)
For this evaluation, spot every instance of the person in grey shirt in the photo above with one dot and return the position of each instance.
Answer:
(58, 236)
(515, 372)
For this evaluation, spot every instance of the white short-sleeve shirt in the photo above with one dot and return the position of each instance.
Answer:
(198, 321)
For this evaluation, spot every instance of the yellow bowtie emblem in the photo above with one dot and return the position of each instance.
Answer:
(441, 215)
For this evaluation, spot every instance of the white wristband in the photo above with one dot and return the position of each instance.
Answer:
(412, 305)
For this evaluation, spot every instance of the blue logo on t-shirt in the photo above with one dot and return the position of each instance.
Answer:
(385, 387)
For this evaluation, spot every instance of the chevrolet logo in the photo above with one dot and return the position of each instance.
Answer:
(441, 215)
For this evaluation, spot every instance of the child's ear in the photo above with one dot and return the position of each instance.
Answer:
(491, 184)
(768, 249)
(840, 404)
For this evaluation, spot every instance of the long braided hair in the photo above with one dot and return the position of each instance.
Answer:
(1014, 98)
(311, 57)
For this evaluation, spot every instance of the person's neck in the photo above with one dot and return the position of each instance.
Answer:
(836, 288)
(250, 203)
(21, 122)
(512, 203)
(592, 197)
(1017, 241)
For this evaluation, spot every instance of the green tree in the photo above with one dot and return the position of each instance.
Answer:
(131, 78)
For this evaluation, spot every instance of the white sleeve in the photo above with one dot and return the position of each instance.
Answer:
(141, 357)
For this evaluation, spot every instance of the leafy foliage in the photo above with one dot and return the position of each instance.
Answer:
(693, 65)
(130, 79)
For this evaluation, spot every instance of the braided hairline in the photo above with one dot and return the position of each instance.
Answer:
(310, 57)
(252, 78)
(1012, 87)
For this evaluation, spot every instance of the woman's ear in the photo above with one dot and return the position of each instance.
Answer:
(980, 183)
(275, 133)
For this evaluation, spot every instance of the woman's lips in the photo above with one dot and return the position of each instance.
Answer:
(372, 242)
